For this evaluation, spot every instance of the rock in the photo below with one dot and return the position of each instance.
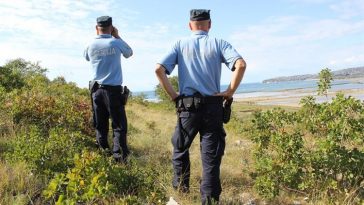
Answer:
(250, 202)
(296, 203)
(172, 201)
(248, 199)
(238, 142)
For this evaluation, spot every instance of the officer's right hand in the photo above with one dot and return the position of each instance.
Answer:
(175, 97)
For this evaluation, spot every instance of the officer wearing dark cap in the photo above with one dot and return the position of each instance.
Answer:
(108, 94)
(200, 101)
(199, 15)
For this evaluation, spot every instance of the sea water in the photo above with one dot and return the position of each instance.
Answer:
(273, 89)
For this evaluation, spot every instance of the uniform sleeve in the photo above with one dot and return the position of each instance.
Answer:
(85, 54)
(125, 48)
(169, 61)
(229, 55)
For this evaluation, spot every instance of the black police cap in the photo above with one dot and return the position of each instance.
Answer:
(104, 21)
(199, 14)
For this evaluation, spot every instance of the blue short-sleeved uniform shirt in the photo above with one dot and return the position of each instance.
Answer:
(105, 56)
(199, 60)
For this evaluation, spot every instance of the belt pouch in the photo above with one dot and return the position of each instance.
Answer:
(188, 103)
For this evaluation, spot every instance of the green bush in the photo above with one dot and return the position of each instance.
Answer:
(5, 115)
(279, 154)
(47, 153)
(32, 99)
(95, 180)
(162, 94)
(51, 125)
(317, 150)
(16, 73)
(63, 106)
(139, 99)
(324, 83)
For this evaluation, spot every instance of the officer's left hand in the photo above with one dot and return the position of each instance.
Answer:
(115, 32)
(227, 94)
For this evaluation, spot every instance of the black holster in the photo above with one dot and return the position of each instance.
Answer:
(226, 110)
(125, 94)
(93, 86)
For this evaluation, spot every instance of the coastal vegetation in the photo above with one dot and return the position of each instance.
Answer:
(312, 154)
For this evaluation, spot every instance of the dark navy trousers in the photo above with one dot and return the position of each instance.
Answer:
(207, 121)
(108, 103)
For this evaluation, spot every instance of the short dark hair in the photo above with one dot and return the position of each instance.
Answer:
(104, 29)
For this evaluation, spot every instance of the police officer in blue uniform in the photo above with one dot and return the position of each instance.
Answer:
(200, 101)
(108, 94)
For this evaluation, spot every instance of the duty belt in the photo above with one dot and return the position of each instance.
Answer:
(203, 100)
(110, 87)
(195, 102)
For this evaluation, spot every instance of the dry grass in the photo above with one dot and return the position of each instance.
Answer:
(18, 185)
(150, 142)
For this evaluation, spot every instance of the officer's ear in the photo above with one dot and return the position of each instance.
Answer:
(189, 24)
(97, 30)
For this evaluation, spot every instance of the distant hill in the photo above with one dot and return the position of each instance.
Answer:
(338, 74)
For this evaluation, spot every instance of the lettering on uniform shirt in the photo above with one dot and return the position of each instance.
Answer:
(198, 54)
(104, 52)
(207, 54)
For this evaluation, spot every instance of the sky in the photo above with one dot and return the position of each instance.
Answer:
(276, 38)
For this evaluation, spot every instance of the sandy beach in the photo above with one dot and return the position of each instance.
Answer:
(293, 97)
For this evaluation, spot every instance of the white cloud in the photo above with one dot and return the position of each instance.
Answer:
(56, 33)
(149, 44)
(289, 31)
(350, 56)
(298, 45)
(349, 8)
(47, 31)
(310, 1)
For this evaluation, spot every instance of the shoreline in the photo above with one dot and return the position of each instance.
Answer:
(292, 97)
(289, 94)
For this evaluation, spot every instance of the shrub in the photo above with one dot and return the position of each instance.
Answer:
(47, 153)
(52, 126)
(59, 105)
(317, 150)
(5, 115)
(94, 179)
(279, 154)
(324, 83)
(16, 73)
(139, 99)
(162, 94)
